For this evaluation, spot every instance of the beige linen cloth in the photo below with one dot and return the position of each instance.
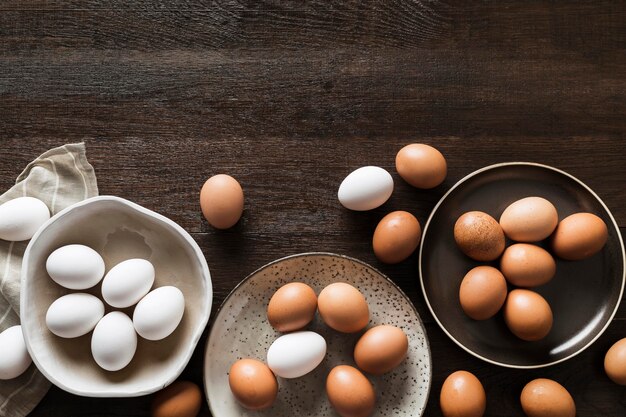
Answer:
(60, 177)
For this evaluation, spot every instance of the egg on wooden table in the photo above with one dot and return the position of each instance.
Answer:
(180, 399)
(76, 267)
(21, 217)
(579, 236)
(615, 362)
(526, 265)
(74, 315)
(365, 188)
(127, 282)
(528, 315)
(343, 307)
(396, 237)
(15, 359)
(296, 354)
(159, 313)
(530, 219)
(292, 307)
(462, 395)
(253, 384)
(421, 165)
(114, 341)
(350, 393)
(482, 292)
(381, 349)
(479, 236)
(547, 398)
(221, 201)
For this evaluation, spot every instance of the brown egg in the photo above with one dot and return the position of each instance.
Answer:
(528, 315)
(253, 384)
(462, 395)
(221, 200)
(547, 398)
(396, 237)
(615, 362)
(482, 292)
(479, 236)
(421, 165)
(530, 219)
(526, 265)
(292, 307)
(579, 236)
(381, 349)
(343, 308)
(181, 399)
(350, 392)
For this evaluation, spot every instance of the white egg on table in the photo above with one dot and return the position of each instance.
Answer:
(74, 315)
(21, 217)
(128, 282)
(114, 341)
(14, 357)
(365, 188)
(158, 314)
(76, 267)
(296, 354)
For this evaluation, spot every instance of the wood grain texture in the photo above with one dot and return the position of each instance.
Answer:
(289, 97)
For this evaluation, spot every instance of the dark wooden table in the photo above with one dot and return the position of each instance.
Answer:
(289, 97)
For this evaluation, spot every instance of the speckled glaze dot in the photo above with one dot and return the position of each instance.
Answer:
(241, 330)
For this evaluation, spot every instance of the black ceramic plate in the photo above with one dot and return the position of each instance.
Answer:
(584, 295)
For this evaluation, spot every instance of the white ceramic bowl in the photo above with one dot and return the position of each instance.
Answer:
(118, 229)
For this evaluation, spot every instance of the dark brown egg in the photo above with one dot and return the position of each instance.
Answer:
(479, 236)
(482, 292)
(579, 236)
(528, 315)
(396, 237)
(462, 395)
(547, 398)
(292, 307)
(381, 349)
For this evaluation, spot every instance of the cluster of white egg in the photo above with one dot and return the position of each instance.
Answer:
(114, 341)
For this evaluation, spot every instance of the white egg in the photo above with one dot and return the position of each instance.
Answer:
(296, 354)
(158, 314)
(76, 267)
(21, 217)
(14, 359)
(127, 282)
(114, 341)
(365, 188)
(74, 315)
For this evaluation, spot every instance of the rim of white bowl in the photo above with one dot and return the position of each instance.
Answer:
(335, 255)
(548, 167)
(197, 334)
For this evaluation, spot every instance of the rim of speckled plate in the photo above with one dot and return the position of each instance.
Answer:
(315, 254)
(199, 327)
(548, 167)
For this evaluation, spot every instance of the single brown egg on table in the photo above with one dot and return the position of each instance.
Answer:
(482, 292)
(528, 315)
(180, 399)
(579, 236)
(221, 201)
(350, 393)
(343, 308)
(547, 398)
(479, 236)
(530, 219)
(396, 237)
(253, 384)
(381, 349)
(421, 165)
(462, 395)
(526, 265)
(615, 362)
(292, 307)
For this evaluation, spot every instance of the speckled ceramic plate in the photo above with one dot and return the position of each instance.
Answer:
(241, 330)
